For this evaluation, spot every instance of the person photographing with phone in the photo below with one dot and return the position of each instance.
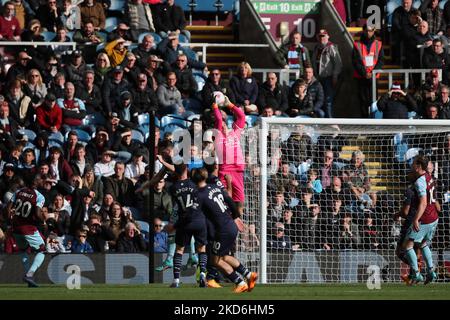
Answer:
(396, 103)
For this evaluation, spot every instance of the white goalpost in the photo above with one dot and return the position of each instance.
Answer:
(321, 196)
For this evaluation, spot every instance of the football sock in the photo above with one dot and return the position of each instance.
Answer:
(235, 278)
(427, 256)
(244, 271)
(412, 258)
(203, 258)
(177, 265)
(212, 272)
(25, 260)
(38, 260)
(171, 251)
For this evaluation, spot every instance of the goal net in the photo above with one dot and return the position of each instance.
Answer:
(321, 196)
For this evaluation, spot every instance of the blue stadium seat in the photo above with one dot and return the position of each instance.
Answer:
(144, 119)
(100, 47)
(173, 119)
(48, 35)
(250, 120)
(137, 136)
(183, 39)
(29, 133)
(193, 117)
(229, 121)
(200, 79)
(117, 5)
(56, 137)
(94, 119)
(206, 6)
(156, 37)
(70, 35)
(111, 23)
(190, 53)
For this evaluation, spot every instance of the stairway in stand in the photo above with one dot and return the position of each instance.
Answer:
(223, 58)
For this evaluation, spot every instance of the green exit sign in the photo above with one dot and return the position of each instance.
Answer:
(285, 7)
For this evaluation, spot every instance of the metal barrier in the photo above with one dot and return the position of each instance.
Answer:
(282, 74)
(223, 45)
(38, 43)
(406, 73)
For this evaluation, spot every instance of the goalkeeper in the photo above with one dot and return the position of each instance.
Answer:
(228, 148)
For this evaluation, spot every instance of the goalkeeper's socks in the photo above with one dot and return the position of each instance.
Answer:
(177, 259)
(235, 278)
(412, 258)
(244, 271)
(203, 259)
(428, 257)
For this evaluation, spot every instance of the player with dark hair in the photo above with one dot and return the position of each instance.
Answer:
(191, 223)
(24, 210)
(212, 203)
(425, 221)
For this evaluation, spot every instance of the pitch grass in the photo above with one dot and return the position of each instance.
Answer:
(438, 291)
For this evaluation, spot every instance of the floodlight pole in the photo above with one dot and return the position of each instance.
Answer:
(192, 5)
(151, 213)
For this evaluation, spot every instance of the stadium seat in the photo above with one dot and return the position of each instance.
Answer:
(28, 133)
(100, 47)
(250, 120)
(94, 119)
(144, 119)
(229, 121)
(190, 54)
(56, 137)
(136, 214)
(193, 117)
(70, 35)
(183, 39)
(136, 135)
(156, 37)
(111, 23)
(173, 119)
(117, 5)
(200, 79)
(29, 145)
(48, 35)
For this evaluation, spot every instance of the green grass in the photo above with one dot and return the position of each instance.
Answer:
(438, 291)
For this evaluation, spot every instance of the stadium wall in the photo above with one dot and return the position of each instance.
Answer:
(297, 267)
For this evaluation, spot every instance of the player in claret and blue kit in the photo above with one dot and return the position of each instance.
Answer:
(424, 223)
(212, 203)
(24, 210)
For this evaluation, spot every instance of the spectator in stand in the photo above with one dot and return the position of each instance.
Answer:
(126, 112)
(9, 25)
(98, 235)
(279, 241)
(144, 98)
(161, 238)
(294, 55)
(432, 111)
(117, 219)
(162, 204)
(102, 67)
(136, 167)
(50, 15)
(139, 17)
(436, 57)
(423, 38)
(79, 244)
(300, 102)
(396, 103)
(131, 69)
(80, 162)
(23, 12)
(326, 169)
(428, 91)
(131, 240)
(315, 91)
(61, 36)
(410, 35)
(89, 93)
(58, 84)
(73, 109)
(34, 33)
(356, 176)
(169, 97)
(215, 83)
(125, 145)
(122, 31)
(400, 21)
(35, 88)
(88, 35)
(70, 16)
(98, 144)
(20, 105)
(105, 167)
(81, 204)
(105, 208)
(444, 102)
(112, 89)
(59, 167)
(349, 237)
(435, 18)
(368, 55)
(20, 68)
(245, 88)
(144, 50)
(155, 70)
(117, 51)
(186, 83)
(120, 187)
(170, 17)
(93, 11)
(273, 94)
(70, 145)
(76, 68)
(49, 115)
(327, 65)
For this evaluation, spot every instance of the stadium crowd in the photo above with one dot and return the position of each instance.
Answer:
(77, 122)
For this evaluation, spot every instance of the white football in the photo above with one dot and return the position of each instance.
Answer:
(219, 98)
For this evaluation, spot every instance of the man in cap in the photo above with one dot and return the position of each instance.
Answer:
(144, 97)
(368, 55)
(126, 112)
(122, 31)
(49, 115)
(112, 88)
(396, 103)
(76, 68)
(170, 49)
(20, 68)
(327, 65)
